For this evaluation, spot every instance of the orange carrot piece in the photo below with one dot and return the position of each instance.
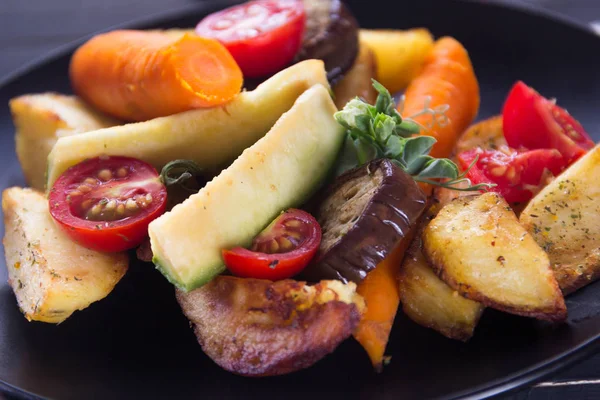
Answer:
(447, 78)
(382, 295)
(140, 75)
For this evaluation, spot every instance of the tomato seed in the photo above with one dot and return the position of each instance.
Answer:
(293, 223)
(84, 188)
(111, 205)
(511, 173)
(285, 244)
(90, 181)
(120, 210)
(122, 172)
(149, 198)
(131, 205)
(96, 210)
(105, 175)
(498, 171)
(86, 204)
(274, 246)
(75, 193)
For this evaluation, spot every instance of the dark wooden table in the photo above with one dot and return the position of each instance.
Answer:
(30, 28)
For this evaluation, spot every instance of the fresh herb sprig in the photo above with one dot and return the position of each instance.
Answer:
(185, 174)
(380, 131)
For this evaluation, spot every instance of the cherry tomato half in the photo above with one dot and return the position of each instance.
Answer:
(263, 36)
(533, 122)
(106, 203)
(280, 251)
(518, 175)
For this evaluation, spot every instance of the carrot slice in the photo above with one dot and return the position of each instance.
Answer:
(382, 295)
(140, 75)
(447, 78)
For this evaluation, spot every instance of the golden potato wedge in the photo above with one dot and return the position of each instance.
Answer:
(256, 327)
(51, 276)
(430, 302)
(487, 134)
(40, 119)
(425, 298)
(564, 219)
(357, 81)
(478, 247)
(399, 54)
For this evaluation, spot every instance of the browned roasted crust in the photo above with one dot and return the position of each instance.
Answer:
(255, 327)
(554, 311)
(574, 276)
(373, 228)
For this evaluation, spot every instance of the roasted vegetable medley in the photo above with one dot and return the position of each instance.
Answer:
(299, 179)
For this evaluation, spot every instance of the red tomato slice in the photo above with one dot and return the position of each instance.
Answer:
(280, 251)
(263, 36)
(533, 122)
(106, 203)
(518, 175)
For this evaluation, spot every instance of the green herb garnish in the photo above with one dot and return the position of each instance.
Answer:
(182, 173)
(380, 131)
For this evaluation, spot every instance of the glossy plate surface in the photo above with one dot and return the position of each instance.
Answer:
(137, 344)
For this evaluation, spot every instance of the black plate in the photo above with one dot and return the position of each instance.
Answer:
(136, 343)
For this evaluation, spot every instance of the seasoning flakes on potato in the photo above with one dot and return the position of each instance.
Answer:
(477, 245)
(564, 219)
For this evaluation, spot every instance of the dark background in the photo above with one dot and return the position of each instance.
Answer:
(31, 28)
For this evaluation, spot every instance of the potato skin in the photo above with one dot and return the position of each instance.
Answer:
(358, 80)
(258, 328)
(477, 246)
(564, 219)
(51, 276)
(40, 119)
(425, 298)
(399, 54)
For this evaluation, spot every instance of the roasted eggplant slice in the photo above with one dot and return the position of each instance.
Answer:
(364, 215)
(255, 327)
(331, 35)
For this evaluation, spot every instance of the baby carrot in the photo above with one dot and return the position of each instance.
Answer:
(447, 78)
(140, 75)
(382, 295)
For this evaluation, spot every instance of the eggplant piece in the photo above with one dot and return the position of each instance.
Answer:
(364, 216)
(331, 35)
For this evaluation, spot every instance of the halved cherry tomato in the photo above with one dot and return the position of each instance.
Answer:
(531, 121)
(263, 36)
(518, 175)
(106, 203)
(280, 251)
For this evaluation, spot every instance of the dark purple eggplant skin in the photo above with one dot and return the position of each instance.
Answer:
(391, 214)
(331, 37)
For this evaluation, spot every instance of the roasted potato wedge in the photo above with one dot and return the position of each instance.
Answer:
(478, 247)
(430, 302)
(52, 276)
(487, 134)
(425, 298)
(357, 81)
(40, 119)
(399, 54)
(564, 219)
(261, 328)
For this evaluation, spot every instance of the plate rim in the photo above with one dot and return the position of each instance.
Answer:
(508, 384)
